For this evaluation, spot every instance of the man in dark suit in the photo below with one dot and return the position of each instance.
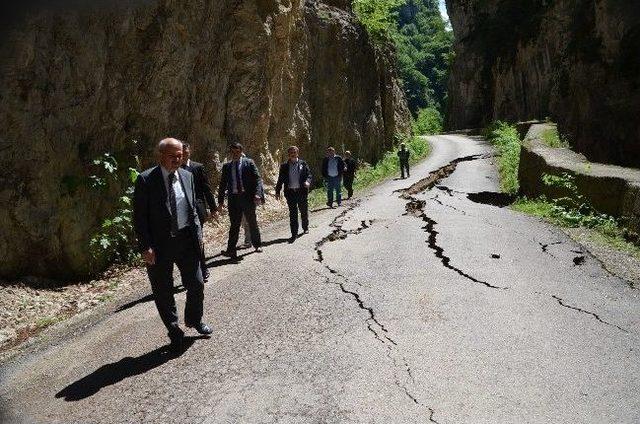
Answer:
(204, 195)
(295, 177)
(332, 170)
(242, 183)
(169, 232)
(350, 166)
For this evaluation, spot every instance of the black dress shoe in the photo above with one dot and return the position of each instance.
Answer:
(292, 239)
(228, 254)
(201, 328)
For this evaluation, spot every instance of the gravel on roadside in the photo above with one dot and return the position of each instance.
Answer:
(30, 305)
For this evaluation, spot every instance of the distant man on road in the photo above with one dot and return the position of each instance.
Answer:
(295, 176)
(204, 195)
(169, 232)
(350, 166)
(403, 155)
(332, 170)
(242, 183)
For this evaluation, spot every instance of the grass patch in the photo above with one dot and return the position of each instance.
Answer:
(552, 138)
(571, 211)
(46, 322)
(368, 175)
(605, 229)
(507, 141)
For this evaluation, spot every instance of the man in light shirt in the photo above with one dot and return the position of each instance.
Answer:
(295, 177)
(332, 169)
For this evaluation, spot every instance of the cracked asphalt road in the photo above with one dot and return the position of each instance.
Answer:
(413, 304)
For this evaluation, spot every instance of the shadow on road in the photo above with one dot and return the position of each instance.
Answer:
(275, 241)
(147, 298)
(115, 372)
(326, 208)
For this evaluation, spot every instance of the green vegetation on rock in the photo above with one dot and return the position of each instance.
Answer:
(378, 17)
(114, 241)
(506, 139)
(572, 210)
(552, 138)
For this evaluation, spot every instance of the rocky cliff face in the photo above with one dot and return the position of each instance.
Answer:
(78, 81)
(576, 61)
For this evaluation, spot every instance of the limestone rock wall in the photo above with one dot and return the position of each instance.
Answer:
(576, 61)
(77, 81)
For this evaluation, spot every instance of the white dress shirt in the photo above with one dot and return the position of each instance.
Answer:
(294, 174)
(182, 205)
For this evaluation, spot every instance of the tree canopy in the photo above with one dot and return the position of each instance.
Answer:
(423, 44)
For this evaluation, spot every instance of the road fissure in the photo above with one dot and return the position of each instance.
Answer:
(415, 207)
(562, 303)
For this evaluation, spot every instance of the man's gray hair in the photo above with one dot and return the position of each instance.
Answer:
(164, 143)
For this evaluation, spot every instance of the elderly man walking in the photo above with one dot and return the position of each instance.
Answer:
(169, 232)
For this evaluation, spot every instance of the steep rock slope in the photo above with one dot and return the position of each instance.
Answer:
(78, 81)
(577, 61)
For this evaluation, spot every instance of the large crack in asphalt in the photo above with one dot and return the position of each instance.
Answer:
(374, 325)
(436, 176)
(415, 207)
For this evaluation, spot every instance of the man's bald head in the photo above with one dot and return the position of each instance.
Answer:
(170, 153)
(167, 142)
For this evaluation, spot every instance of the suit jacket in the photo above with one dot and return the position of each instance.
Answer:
(151, 217)
(204, 194)
(325, 166)
(251, 180)
(283, 176)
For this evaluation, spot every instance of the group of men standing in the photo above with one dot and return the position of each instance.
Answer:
(170, 208)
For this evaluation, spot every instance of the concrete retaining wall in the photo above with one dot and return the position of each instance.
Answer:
(613, 190)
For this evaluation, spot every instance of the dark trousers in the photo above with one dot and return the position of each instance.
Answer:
(183, 251)
(203, 260)
(347, 180)
(297, 200)
(242, 205)
(404, 166)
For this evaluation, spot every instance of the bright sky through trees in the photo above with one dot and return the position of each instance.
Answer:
(443, 10)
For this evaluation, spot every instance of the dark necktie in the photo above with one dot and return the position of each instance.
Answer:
(172, 205)
(238, 181)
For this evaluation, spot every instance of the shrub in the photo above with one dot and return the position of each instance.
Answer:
(377, 16)
(114, 241)
(429, 121)
(552, 138)
(506, 139)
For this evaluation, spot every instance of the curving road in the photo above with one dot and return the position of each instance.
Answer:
(417, 303)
